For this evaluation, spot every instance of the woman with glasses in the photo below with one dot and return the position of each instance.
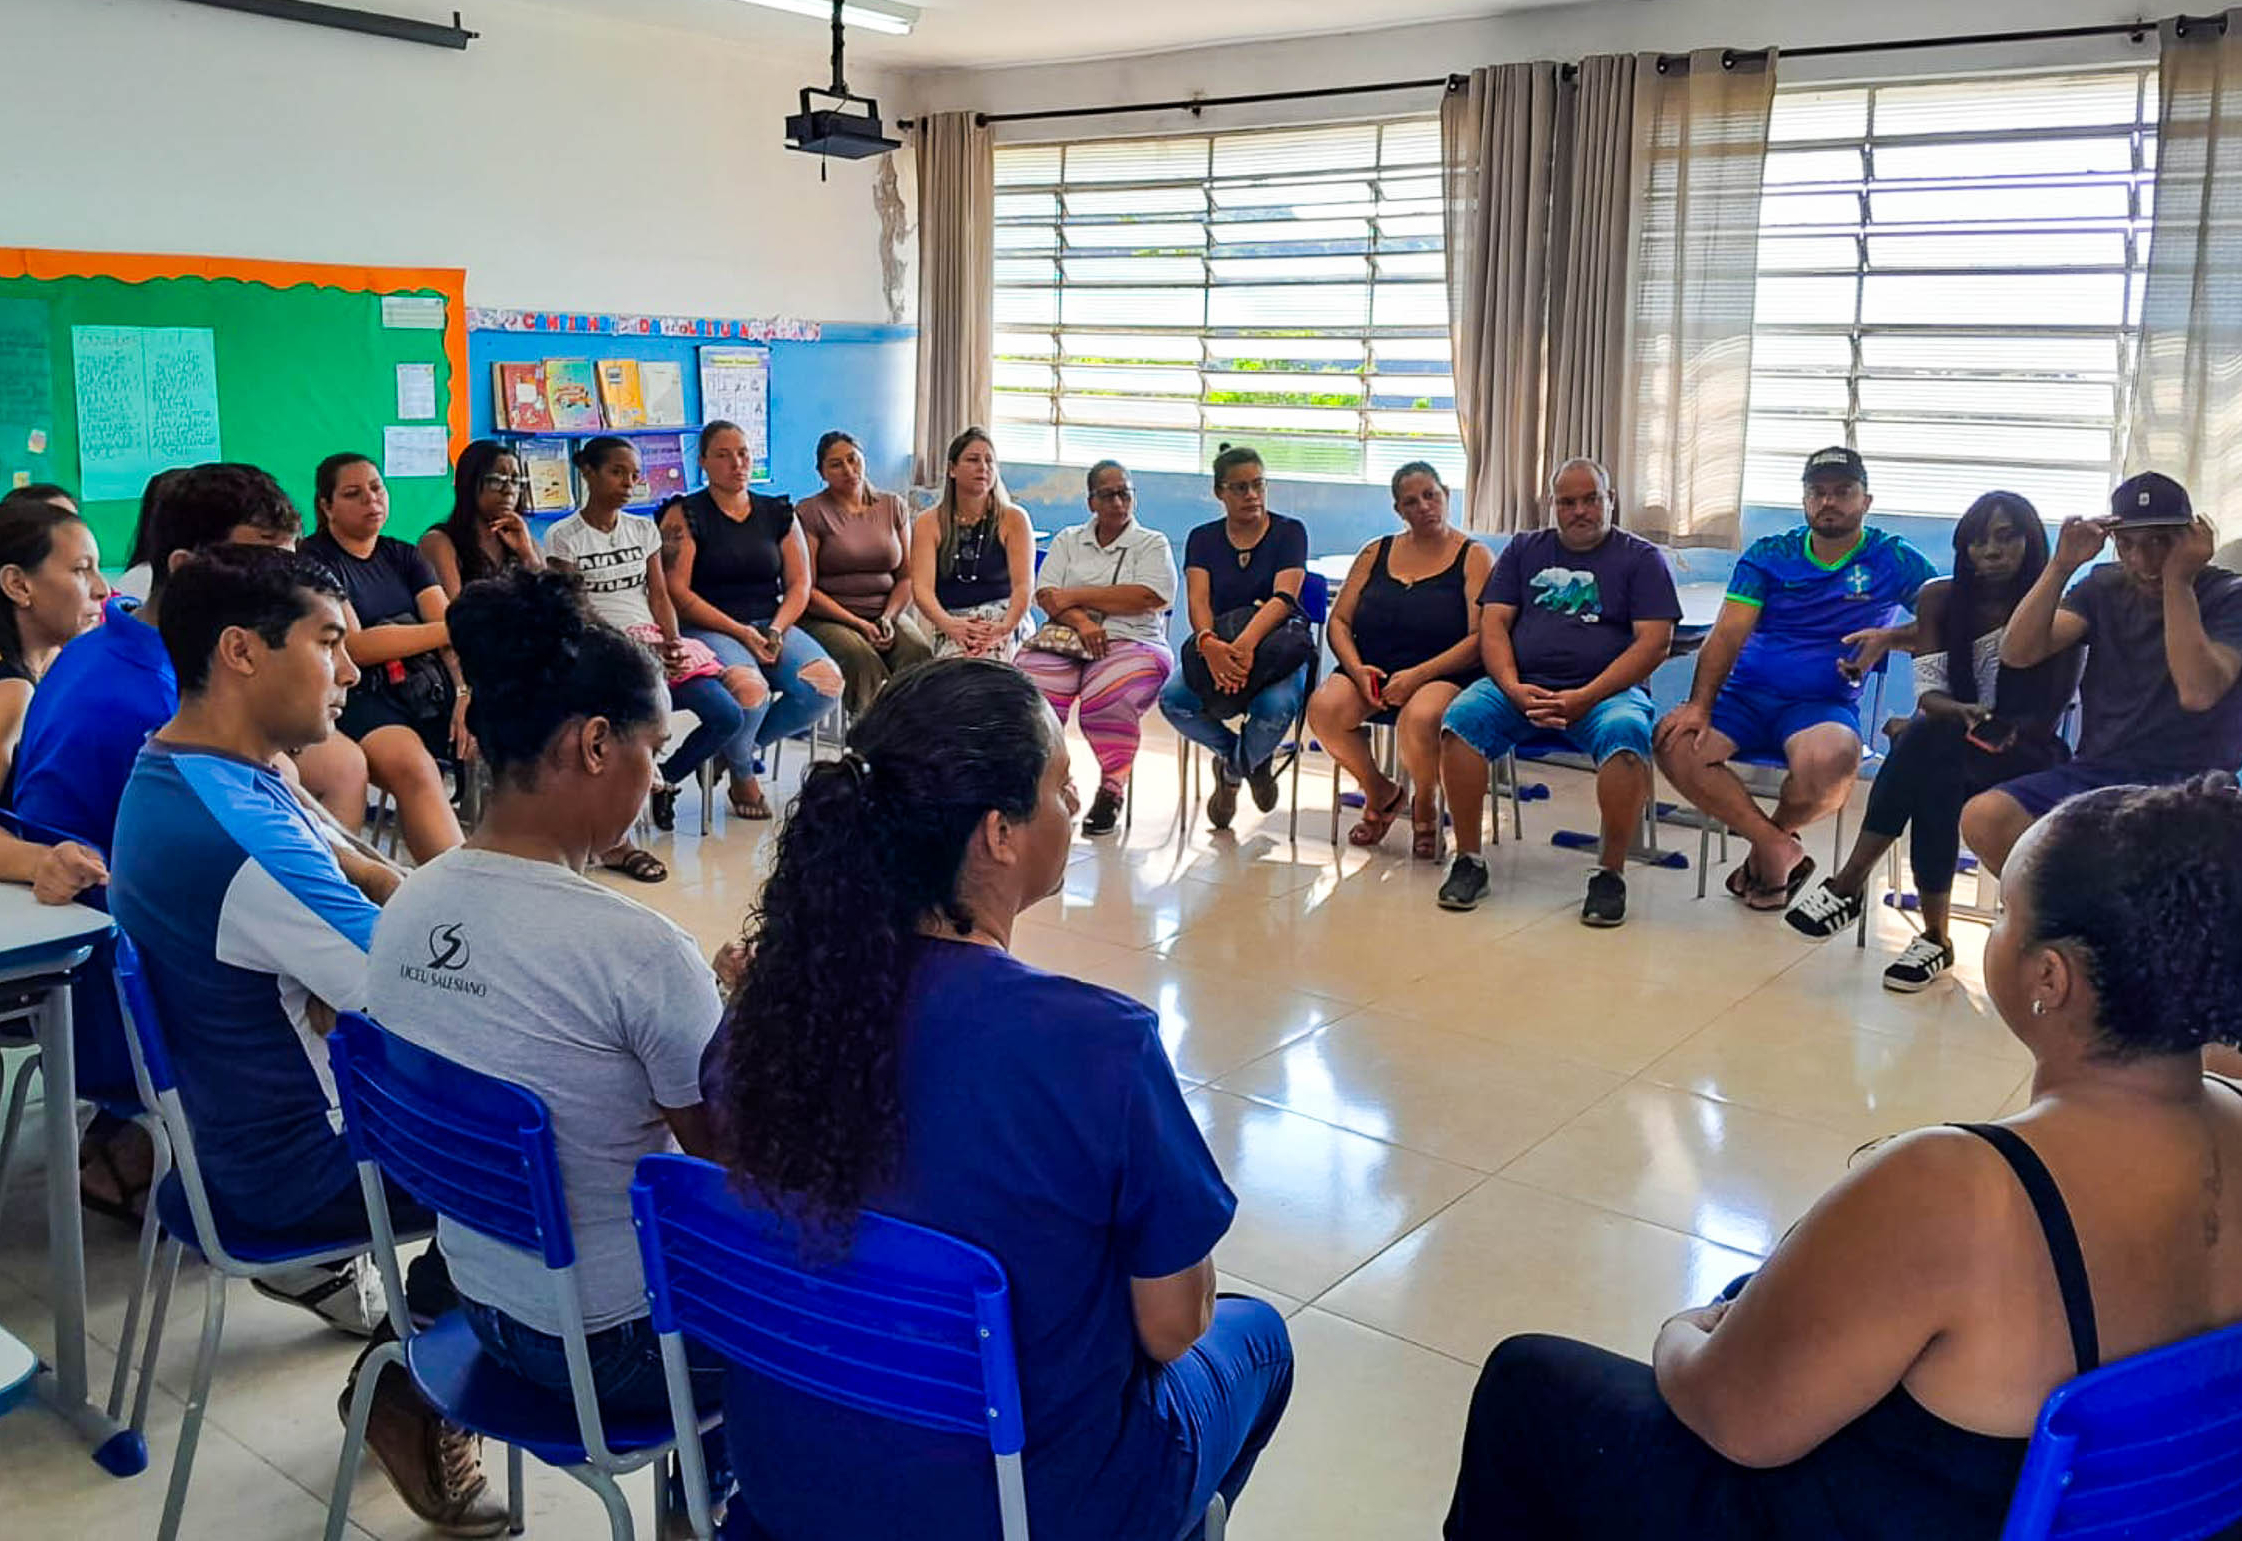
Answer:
(1107, 586)
(485, 533)
(860, 574)
(1242, 574)
(972, 558)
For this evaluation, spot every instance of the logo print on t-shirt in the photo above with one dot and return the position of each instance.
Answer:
(1857, 581)
(447, 949)
(1568, 593)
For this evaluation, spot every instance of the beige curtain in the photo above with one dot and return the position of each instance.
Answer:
(1589, 266)
(1497, 136)
(957, 284)
(1700, 143)
(2187, 389)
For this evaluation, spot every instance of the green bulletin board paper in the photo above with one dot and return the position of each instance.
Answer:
(147, 400)
(26, 391)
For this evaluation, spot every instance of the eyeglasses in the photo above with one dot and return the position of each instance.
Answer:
(1246, 489)
(1120, 494)
(497, 483)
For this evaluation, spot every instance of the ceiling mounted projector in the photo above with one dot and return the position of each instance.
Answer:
(850, 130)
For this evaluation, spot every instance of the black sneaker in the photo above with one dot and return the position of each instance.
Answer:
(1104, 816)
(1263, 780)
(1822, 912)
(1606, 904)
(1222, 802)
(1466, 884)
(1923, 961)
(662, 803)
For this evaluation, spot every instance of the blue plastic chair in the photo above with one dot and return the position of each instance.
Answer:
(181, 1207)
(912, 1325)
(1315, 606)
(479, 1152)
(2143, 1448)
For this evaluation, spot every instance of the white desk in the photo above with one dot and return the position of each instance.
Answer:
(40, 946)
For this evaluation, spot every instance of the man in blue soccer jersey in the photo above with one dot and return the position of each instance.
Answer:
(1776, 680)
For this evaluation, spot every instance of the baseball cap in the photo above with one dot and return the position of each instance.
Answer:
(1836, 461)
(2148, 500)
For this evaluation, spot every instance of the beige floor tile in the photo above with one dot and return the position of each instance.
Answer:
(1727, 1173)
(1314, 1202)
(1231, 1284)
(1450, 1095)
(1387, 1414)
(1508, 1259)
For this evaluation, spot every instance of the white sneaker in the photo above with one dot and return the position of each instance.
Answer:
(1923, 961)
(347, 1296)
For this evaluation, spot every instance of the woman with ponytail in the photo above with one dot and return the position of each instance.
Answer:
(550, 980)
(886, 1051)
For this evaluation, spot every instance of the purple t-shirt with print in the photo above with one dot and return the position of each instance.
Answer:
(1577, 609)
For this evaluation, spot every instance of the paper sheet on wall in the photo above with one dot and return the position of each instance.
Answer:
(416, 390)
(736, 388)
(407, 451)
(26, 388)
(147, 401)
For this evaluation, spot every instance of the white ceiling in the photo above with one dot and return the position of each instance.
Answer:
(954, 34)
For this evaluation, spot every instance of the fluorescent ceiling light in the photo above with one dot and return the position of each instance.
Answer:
(894, 20)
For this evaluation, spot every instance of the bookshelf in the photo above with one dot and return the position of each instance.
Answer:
(576, 436)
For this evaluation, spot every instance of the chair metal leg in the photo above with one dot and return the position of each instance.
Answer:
(198, 1401)
(18, 1095)
(620, 1526)
(370, 1371)
(1704, 852)
(515, 1493)
(661, 1471)
(151, 1229)
(158, 1311)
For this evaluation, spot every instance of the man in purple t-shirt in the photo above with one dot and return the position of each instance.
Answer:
(1573, 622)
(2160, 700)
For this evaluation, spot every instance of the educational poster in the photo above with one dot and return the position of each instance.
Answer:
(147, 401)
(736, 388)
(26, 393)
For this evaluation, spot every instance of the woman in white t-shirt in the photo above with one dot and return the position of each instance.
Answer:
(620, 558)
(563, 986)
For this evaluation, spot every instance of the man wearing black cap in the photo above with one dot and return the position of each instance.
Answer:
(2163, 629)
(1776, 681)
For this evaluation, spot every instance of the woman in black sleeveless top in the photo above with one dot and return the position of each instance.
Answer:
(973, 558)
(1881, 1375)
(1405, 631)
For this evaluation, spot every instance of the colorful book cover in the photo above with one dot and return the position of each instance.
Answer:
(664, 387)
(572, 393)
(621, 394)
(552, 490)
(661, 462)
(519, 393)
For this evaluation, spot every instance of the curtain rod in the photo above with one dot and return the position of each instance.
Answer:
(2136, 31)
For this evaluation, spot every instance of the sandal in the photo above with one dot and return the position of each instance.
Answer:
(1376, 821)
(1742, 882)
(642, 865)
(1424, 842)
(126, 1200)
(1781, 897)
(747, 800)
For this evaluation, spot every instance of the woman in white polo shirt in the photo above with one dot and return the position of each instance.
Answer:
(1107, 586)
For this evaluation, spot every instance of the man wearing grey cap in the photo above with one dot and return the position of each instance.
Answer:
(2163, 629)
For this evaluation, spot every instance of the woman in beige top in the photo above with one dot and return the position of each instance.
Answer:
(860, 574)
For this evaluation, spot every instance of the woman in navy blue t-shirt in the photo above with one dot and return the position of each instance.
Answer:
(886, 1051)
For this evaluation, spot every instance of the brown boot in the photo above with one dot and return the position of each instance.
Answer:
(435, 1465)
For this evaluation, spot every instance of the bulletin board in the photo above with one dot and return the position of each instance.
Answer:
(115, 365)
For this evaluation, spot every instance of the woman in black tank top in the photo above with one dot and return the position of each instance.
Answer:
(1881, 1376)
(1405, 632)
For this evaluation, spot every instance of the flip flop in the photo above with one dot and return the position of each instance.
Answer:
(751, 806)
(1781, 898)
(1376, 821)
(1742, 882)
(1424, 841)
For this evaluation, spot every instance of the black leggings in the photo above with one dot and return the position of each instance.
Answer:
(1931, 771)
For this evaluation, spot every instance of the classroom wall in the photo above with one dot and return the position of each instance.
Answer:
(568, 160)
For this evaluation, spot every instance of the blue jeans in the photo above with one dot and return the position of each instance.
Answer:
(792, 704)
(719, 719)
(1269, 720)
(1223, 1400)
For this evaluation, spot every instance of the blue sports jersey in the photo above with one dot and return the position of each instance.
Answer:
(104, 694)
(241, 916)
(1807, 609)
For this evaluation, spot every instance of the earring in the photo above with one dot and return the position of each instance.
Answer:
(2039, 1008)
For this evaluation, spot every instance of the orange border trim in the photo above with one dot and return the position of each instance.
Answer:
(140, 267)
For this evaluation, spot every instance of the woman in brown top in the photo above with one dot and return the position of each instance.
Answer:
(860, 574)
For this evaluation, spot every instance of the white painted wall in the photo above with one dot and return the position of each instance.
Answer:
(566, 160)
(1561, 32)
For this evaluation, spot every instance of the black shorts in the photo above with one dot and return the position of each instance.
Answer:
(365, 711)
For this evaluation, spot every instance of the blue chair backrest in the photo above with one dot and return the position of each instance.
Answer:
(141, 1020)
(475, 1149)
(2144, 1448)
(910, 1324)
(1315, 597)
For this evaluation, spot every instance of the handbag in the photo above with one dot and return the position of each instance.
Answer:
(1058, 637)
(1279, 656)
(419, 686)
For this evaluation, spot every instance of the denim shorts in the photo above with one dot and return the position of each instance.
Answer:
(1490, 722)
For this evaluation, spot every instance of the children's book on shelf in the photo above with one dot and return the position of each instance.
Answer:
(572, 391)
(663, 383)
(518, 393)
(661, 460)
(545, 461)
(621, 394)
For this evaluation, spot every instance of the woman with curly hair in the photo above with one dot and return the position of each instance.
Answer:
(1881, 1375)
(886, 1051)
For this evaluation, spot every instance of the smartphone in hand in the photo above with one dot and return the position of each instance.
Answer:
(1993, 735)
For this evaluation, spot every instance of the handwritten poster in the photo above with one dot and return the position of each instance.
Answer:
(736, 388)
(147, 401)
(26, 389)
(409, 451)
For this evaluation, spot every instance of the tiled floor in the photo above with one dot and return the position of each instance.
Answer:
(1442, 1129)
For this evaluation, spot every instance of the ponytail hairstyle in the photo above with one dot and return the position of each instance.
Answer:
(151, 499)
(1229, 457)
(27, 527)
(2143, 887)
(1962, 597)
(810, 1112)
(464, 524)
(535, 660)
(323, 483)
